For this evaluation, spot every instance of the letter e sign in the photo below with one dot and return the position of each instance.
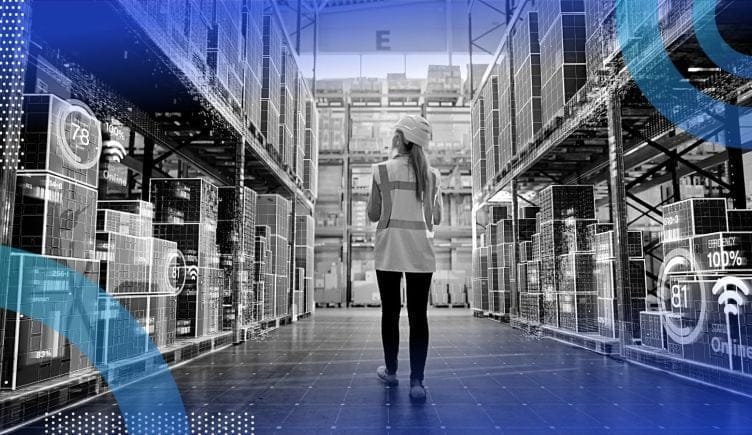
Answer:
(382, 40)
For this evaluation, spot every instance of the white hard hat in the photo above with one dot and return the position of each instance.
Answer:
(415, 129)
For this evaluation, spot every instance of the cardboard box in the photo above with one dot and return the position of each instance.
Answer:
(54, 216)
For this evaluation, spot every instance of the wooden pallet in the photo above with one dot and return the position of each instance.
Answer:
(499, 317)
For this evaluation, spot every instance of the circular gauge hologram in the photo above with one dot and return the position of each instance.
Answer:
(174, 274)
(687, 297)
(80, 135)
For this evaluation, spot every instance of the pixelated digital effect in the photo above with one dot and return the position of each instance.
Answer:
(218, 423)
(14, 35)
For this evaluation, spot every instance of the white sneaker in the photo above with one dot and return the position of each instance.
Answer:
(417, 392)
(389, 379)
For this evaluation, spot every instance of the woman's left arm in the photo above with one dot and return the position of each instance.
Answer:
(374, 200)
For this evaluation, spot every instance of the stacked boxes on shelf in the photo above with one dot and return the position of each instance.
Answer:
(287, 107)
(528, 288)
(311, 161)
(479, 284)
(187, 24)
(702, 316)
(298, 293)
(186, 212)
(37, 351)
(360, 221)
(331, 129)
(365, 137)
(401, 88)
(487, 264)
(244, 214)
(491, 99)
(527, 76)
(165, 278)
(493, 268)
(570, 262)
(603, 240)
(361, 180)
(373, 128)
(561, 26)
(451, 133)
(301, 97)
(601, 36)
(739, 220)
(252, 16)
(577, 292)
(443, 80)
(398, 83)
(224, 55)
(366, 86)
(54, 216)
(271, 85)
(478, 121)
(334, 88)
(507, 136)
(304, 249)
(569, 296)
(263, 281)
(141, 273)
(502, 261)
(273, 211)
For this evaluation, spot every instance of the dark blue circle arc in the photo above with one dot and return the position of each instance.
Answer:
(678, 100)
(35, 286)
(715, 46)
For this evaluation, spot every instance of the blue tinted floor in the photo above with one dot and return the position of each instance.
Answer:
(317, 376)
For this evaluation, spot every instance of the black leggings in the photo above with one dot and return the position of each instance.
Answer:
(418, 286)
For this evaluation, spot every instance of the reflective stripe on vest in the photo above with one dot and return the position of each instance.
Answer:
(403, 185)
(386, 187)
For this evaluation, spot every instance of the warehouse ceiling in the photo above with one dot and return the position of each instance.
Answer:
(162, 104)
(394, 26)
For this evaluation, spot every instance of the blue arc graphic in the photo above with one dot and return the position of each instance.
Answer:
(639, 33)
(712, 42)
(41, 288)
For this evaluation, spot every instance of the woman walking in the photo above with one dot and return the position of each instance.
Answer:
(406, 202)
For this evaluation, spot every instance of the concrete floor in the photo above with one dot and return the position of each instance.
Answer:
(317, 376)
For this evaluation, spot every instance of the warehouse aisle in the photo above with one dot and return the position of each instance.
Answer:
(318, 377)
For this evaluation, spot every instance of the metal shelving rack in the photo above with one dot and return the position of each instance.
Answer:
(221, 144)
(189, 129)
(608, 135)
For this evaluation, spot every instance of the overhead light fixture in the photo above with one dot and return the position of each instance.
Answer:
(697, 69)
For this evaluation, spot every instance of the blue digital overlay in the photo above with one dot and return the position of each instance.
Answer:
(65, 300)
(677, 99)
(713, 44)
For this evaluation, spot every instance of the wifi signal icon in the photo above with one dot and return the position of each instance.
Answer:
(113, 151)
(731, 299)
(193, 273)
(678, 100)
(732, 294)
